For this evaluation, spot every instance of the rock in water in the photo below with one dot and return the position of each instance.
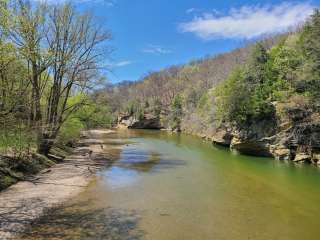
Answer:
(302, 157)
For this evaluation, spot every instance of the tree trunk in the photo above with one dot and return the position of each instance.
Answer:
(37, 95)
(45, 144)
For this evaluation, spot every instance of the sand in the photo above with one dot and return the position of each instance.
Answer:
(25, 201)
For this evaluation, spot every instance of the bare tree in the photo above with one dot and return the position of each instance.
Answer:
(76, 43)
(62, 50)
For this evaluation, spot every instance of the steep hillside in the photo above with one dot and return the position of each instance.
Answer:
(262, 99)
(158, 89)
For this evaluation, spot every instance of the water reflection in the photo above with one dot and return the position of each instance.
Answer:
(134, 159)
(142, 157)
(117, 177)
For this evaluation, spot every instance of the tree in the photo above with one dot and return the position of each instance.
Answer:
(310, 74)
(27, 30)
(176, 113)
(74, 42)
(62, 51)
(232, 98)
(4, 15)
(257, 64)
(245, 95)
(156, 108)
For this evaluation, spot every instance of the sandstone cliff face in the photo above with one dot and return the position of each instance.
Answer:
(148, 121)
(223, 136)
(294, 134)
(255, 138)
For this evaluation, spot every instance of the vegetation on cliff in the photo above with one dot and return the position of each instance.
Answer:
(289, 69)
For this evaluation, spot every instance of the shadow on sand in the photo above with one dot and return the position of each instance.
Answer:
(79, 221)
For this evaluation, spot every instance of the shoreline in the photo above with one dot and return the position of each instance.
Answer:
(26, 201)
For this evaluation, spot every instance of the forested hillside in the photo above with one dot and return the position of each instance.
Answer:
(187, 86)
(187, 83)
(262, 99)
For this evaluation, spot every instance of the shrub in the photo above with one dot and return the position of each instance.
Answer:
(16, 138)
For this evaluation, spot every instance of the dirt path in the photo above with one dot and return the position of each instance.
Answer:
(25, 201)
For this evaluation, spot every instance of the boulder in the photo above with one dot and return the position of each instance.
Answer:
(281, 153)
(255, 148)
(316, 158)
(222, 137)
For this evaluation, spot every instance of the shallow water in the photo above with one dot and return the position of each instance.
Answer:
(164, 186)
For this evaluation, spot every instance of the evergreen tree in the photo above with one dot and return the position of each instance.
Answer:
(310, 76)
(176, 113)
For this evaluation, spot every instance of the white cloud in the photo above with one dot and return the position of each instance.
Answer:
(191, 10)
(156, 49)
(249, 22)
(110, 3)
(121, 64)
(200, 10)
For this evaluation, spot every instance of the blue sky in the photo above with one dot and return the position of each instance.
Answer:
(149, 35)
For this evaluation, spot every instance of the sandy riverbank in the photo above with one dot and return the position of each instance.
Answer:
(25, 201)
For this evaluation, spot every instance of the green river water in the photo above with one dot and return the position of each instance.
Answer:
(164, 186)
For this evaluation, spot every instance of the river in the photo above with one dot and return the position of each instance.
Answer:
(165, 186)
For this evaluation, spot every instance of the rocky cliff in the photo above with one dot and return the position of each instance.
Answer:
(147, 121)
(293, 134)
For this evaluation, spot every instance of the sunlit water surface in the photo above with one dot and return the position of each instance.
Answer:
(163, 186)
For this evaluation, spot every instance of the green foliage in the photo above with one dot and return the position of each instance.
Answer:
(192, 97)
(90, 115)
(146, 104)
(6, 181)
(3, 16)
(310, 42)
(101, 117)
(309, 78)
(139, 114)
(176, 113)
(16, 138)
(231, 98)
(203, 101)
(156, 108)
(135, 109)
(288, 69)
(255, 71)
(70, 130)
(95, 116)
(248, 93)
(132, 107)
